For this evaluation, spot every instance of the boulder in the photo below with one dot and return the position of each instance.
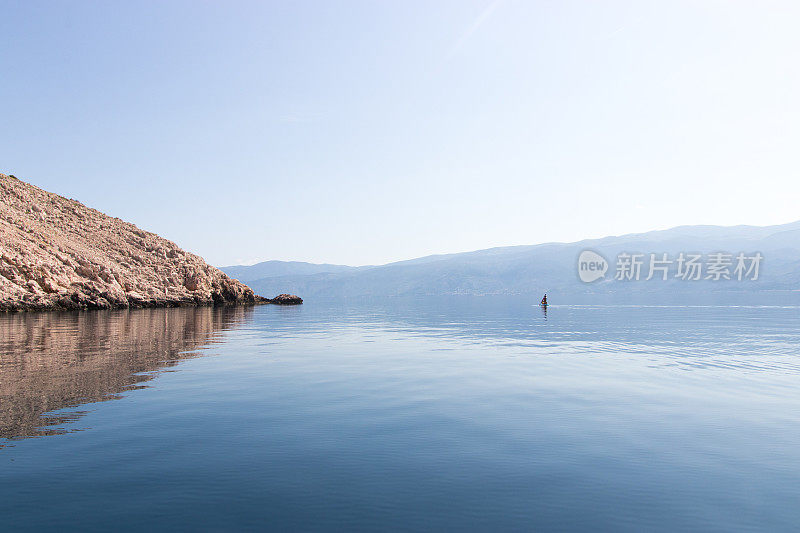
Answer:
(286, 299)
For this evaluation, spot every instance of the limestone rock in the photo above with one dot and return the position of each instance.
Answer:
(57, 253)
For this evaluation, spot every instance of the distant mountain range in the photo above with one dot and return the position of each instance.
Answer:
(274, 269)
(553, 268)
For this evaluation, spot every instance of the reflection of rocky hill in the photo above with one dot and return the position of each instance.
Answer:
(55, 360)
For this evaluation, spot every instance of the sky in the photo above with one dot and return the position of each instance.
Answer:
(368, 132)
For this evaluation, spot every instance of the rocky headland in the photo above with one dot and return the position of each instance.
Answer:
(58, 254)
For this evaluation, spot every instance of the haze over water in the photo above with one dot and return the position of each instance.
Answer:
(436, 414)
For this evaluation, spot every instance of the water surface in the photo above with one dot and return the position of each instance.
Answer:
(441, 414)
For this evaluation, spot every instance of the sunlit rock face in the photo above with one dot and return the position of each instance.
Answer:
(56, 253)
(51, 361)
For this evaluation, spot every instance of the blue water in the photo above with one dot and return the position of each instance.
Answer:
(443, 414)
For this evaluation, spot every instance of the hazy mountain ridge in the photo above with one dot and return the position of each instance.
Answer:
(273, 269)
(552, 267)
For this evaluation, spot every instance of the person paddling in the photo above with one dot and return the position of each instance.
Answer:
(544, 300)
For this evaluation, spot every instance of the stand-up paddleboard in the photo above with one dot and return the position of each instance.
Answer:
(543, 303)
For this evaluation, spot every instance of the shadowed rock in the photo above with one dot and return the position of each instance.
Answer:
(285, 299)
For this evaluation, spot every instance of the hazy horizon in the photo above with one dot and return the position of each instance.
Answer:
(509, 246)
(363, 133)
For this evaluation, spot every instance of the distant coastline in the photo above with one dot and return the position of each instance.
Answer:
(531, 270)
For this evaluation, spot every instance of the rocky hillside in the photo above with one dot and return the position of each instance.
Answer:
(57, 253)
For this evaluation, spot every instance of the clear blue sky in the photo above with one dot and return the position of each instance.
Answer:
(365, 132)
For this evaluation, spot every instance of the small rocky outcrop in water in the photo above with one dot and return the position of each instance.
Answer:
(57, 253)
(286, 299)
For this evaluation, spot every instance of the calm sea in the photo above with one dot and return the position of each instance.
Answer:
(461, 414)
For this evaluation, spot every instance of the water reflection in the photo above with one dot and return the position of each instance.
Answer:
(754, 338)
(52, 361)
(429, 414)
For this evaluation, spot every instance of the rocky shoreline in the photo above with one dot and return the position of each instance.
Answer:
(58, 255)
(71, 303)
